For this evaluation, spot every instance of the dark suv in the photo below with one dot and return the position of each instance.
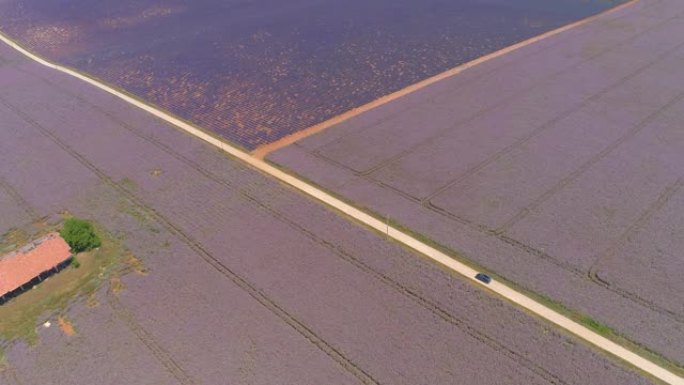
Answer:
(483, 277)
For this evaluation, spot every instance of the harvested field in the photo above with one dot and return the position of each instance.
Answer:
(254, 72)
(558, 167)
(246, 279)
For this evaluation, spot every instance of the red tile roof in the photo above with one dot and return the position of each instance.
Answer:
(21, 266)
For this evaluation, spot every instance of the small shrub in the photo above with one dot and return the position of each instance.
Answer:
(80, 235)
(75, 263)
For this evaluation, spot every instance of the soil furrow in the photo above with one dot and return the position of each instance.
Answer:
(163, 356)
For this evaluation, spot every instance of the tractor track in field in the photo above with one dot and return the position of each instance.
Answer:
(19, 200)
(374, 223)
(499, 233)
(149, 138)
(472, 117)
(537, 253)
(163, 356)
(632, 230)
(435, 309)
(194, 245)
(425, 303)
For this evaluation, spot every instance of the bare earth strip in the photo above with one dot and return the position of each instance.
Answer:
(396, 234)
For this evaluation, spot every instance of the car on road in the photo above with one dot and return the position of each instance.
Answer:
(483, 277)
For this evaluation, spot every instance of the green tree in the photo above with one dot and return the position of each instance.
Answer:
(80, 235)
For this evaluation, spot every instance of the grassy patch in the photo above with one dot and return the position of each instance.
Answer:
(128, 184)
(596, 326)
(20, 316)
(14, 239)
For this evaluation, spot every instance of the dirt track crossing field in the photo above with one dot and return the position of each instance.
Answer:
(341, 305)
(558, 166)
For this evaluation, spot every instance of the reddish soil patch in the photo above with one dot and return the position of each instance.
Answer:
(66, 326)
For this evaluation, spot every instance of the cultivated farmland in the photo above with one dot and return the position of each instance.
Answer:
(255, 71)
(558, 166)
(247, 281)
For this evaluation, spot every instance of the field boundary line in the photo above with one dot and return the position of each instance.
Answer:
(404, 238)
(263, 150)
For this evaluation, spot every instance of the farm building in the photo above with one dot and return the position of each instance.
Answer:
(22, 269)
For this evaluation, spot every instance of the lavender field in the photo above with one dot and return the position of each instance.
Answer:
(255, 71)
(248, 281)
(559, 166)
